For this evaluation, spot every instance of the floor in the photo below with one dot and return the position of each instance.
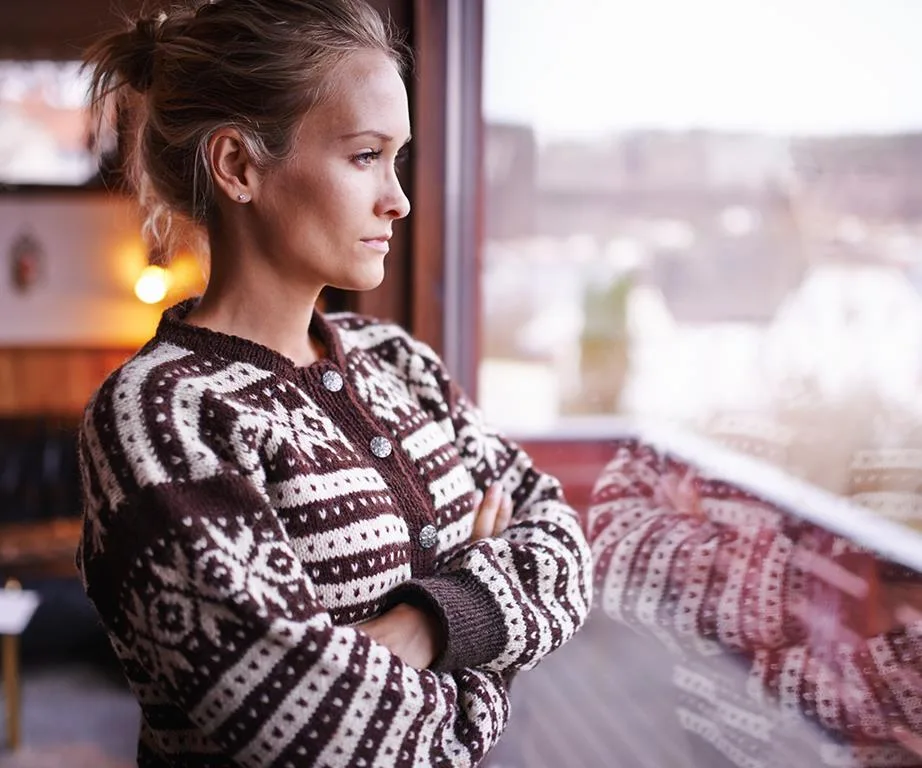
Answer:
(75, 715)
(604, 699)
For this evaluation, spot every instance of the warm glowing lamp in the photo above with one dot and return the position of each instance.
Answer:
(152, 285)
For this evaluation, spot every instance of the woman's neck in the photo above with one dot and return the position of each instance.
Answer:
(252, 304)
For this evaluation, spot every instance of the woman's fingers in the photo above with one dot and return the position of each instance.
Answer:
(485, 516)
(493, 513)
(503, 516)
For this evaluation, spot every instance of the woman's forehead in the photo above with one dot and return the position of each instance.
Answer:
(368, 97)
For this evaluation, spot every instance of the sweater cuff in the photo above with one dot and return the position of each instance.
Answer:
(472, 624)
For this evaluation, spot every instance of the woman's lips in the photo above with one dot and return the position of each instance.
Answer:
(379, 244)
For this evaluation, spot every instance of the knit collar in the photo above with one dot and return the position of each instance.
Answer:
(174, 329)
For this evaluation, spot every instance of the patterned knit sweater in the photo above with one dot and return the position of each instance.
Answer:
(772, 670)
(241, 513)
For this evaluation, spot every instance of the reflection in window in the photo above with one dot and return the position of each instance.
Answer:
(706, 217)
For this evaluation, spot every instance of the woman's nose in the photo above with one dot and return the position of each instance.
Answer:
(394, 201)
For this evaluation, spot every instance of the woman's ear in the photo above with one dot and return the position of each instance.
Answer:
(232, 169)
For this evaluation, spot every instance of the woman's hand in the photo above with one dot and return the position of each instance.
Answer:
(412, 634)
(677, 492)
(493, 514)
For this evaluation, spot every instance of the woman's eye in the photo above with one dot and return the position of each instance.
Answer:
(368, 157)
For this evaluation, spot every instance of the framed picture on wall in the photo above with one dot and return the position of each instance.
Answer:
(46, 136)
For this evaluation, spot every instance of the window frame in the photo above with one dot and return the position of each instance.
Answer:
(431, 283)
(440, 303)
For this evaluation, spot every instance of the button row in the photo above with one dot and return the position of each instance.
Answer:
(382, 448)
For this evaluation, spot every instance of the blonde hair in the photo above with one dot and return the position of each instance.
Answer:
(255, 65)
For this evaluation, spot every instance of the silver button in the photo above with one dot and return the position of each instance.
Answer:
(332, 381)
(381, 447)
(428, 537)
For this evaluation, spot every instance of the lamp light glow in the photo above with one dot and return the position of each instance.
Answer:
(152, 285)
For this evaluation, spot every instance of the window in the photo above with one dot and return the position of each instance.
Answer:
(703, 228)
(699, 212)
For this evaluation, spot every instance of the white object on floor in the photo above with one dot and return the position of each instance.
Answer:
(16, 609)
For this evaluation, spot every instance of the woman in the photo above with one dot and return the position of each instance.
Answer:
(280, 506)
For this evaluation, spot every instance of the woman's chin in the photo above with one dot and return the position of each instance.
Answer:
(365, 279)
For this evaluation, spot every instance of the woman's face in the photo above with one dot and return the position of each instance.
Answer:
(325, 216)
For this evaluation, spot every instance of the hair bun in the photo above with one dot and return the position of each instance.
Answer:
(140, 74)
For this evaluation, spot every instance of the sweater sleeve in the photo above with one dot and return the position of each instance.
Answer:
(506, 601)
(744, 583)
(865, 690)
(716, 567)
(213, 616)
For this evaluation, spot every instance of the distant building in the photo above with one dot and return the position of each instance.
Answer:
(727, 223)
(509, 177)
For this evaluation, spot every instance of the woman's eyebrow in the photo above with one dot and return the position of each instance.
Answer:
(376, 134)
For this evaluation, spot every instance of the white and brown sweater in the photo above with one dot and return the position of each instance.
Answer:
(241, 513)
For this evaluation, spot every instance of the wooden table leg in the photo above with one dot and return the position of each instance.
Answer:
(9, 657)
(11, 688)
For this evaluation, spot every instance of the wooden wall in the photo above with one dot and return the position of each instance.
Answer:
(52, 381)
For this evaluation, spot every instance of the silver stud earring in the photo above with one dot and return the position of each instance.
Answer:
(243, 197)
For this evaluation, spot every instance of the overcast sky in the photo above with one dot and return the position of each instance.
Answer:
(577, 67)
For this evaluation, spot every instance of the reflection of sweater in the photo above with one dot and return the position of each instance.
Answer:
(767, 675)
(241, 513)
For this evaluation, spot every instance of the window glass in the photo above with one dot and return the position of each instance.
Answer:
(695, 210)
(701, 303)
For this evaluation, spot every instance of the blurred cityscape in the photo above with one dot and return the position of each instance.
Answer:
(685, 275)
